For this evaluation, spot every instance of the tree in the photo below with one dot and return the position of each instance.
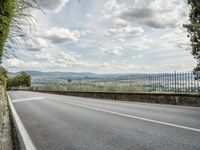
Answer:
(14, 15)
(22, 79)
(3, 72)
(194, 30)
(22, 18)
(7, 8)
(10, 82)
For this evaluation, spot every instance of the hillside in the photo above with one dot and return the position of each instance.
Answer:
(60, 77)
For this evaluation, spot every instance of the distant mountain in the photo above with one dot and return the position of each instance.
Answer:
(60, 77)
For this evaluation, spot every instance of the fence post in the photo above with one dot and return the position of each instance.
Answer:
(175, 80)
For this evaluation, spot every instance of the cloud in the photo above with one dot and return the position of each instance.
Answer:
(52, 5)
(176, 40)
(67, 57)
(138, 56)
(155, 13)
(111, 29)
(38, 45)
(138, 13)
(62, 35)
(120, 22)
(150, 17)
(42, 56)
(112, 50)
(180, 43)
(138, 46)
(124, 32)
(142, 43)
(14, 62)
(113, 8)
(89, 15)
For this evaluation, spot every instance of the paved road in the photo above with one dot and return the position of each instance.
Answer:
(56, 122)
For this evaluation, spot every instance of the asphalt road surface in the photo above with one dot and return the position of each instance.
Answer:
(56, 122)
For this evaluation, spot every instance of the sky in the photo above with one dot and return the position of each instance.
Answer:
(107, 36)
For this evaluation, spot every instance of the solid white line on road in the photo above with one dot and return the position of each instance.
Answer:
(27, 99)
(25, 137)
(131, 116)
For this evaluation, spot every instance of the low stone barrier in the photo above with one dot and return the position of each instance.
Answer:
(161, 98)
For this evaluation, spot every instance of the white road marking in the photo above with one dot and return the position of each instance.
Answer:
(25, 137)
(131, 116)
(27, 99)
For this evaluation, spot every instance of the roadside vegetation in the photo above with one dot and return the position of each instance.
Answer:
(7, 9)
(88, 87)
(194, 30)
(21, 80)
(14, 15)
(112, 87)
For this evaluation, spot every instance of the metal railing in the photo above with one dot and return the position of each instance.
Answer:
(177, 82)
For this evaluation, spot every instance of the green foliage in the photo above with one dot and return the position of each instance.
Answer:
(3, 72)
(7, 9)
(194, 30)
(10, 82)
(21, 80)
(3, 77)
(4, 83)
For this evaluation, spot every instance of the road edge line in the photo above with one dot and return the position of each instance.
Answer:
(22, 130)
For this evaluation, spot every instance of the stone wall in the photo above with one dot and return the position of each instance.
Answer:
(161, 98)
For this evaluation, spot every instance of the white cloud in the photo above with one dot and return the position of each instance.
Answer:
(146, 29)
(120, 22)
(124, 32)
(114, 8)
(176, 40)
(42, 56)
(89, 15)
(67, 57)
(133, 57)
(138, 46)
(62, 35)
(52, 5)
(180, 43)
(112, 50)
(38, 44)
(13, 62)
(142, 43)
(138, 56)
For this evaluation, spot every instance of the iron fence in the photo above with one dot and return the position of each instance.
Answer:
(177, 82)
